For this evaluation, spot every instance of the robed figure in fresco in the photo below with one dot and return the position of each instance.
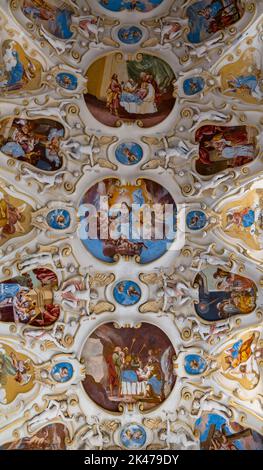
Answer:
(223, 294)
(140, 89)
(206, 17)
(222, 147)
(16, 374)
(18, 71)
(55, 19)
(29, 298)
(128, 365)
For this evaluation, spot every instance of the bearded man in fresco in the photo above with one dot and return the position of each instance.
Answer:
(113, 95)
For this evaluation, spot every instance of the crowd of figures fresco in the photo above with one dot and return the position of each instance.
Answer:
(131, 225)
(130, 89)
(123, 366)
(32, 141)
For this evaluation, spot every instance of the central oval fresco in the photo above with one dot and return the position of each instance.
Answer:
(129, 90)
(128, 365)
(131, 219)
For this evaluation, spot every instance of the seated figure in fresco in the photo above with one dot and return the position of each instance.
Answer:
(246, 218)
(240, 352)
(250, 83)
(240, 362)
(29, 301)
(228, 149)
(21, 140)
(17, 69)
(135, 98)
(129, 377)
(233, 295)
(36, 142)
(30, 305)
(11, 366)
(56, 20)
(222, 147)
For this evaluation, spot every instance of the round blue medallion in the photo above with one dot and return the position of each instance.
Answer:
(133, 436)
(194, 364)
(129, 153)
(62, 372)
(196, 220)
(193, 85)
(127, 293)
(58, 219)
(130, 34)
(67, 80)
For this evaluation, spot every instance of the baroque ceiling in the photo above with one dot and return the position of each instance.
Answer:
(125, 341)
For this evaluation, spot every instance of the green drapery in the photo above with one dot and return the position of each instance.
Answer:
(159, 69)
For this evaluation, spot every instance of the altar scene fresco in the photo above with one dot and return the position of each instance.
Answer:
(123, 367)
(131, 227)
(138, 89)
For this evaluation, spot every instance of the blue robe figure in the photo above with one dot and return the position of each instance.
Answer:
(248, 219)
(246, 81)
(8, 291)
(15, 75)
(235, 348)
(17, 72)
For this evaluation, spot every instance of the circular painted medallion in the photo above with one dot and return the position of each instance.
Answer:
(127, 293)
(193, 85)
(130, 34)
(129, 153)
(114, 224)
(62, 372)
(67, 80)
(128, 365)
(194, 364)
(133, 89)
(59, 219)
(133, 436)
(196, 220)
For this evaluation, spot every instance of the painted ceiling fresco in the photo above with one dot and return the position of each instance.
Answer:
(148, 335)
